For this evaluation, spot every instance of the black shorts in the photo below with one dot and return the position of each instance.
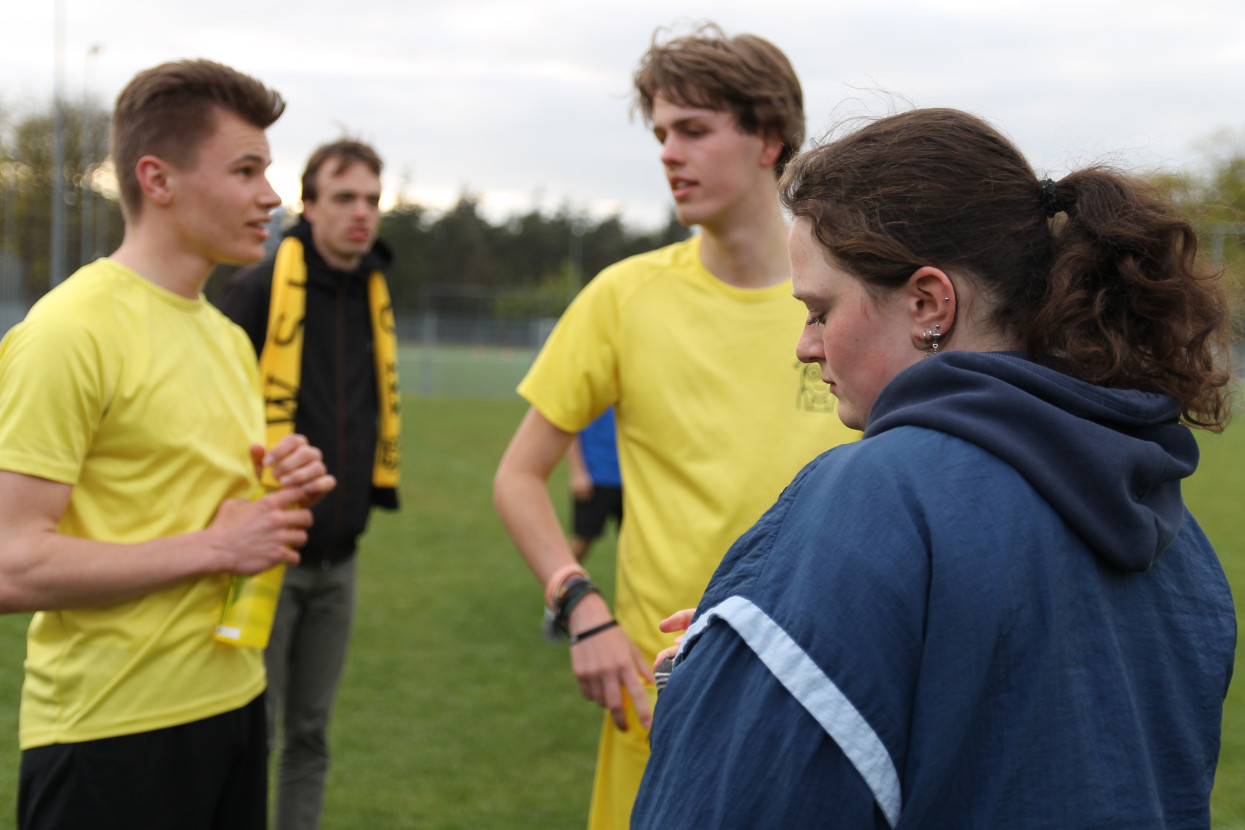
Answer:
(211, 774)
(588, 517)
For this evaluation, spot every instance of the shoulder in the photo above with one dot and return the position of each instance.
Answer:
(641, 270)
(96, 301)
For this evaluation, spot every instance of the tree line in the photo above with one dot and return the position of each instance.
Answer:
(528, 264)
(456, 259)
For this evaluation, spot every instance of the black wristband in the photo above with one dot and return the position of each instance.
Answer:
(568, 601)
(583, 635)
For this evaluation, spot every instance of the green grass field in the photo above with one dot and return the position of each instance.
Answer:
(477, 372)
(454, 713)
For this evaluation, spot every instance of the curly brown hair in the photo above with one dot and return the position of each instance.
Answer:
(745, 74)
(1096, 273)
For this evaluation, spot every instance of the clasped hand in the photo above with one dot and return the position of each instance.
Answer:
(257, 535)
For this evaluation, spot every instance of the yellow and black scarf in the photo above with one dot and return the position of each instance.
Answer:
(281, 360)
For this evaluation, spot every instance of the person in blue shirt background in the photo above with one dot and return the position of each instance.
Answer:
(596, 483)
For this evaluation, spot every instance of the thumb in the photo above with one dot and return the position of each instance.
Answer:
(257, 458)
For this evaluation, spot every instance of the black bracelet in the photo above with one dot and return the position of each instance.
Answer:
(568, 601)
(583, 635)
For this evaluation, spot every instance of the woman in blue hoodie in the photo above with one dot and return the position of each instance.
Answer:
(994, 611)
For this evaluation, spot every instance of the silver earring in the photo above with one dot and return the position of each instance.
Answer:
(933, 339)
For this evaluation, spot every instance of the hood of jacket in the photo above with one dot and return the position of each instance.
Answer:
(1109, 461)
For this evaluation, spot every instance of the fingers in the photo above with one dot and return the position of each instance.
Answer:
(291, 557)
(287, 507)
(318, 488)
(613, 697)
(297, 464)
(613, 700)
(678, 621)
(287, 521)
(610, 669)
(663, 654)
(257, 458)
(635, 688)
(255, 535)
(287, 515)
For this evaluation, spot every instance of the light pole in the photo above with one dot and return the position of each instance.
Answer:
(8, 243)
(56, 260)
(86, 140)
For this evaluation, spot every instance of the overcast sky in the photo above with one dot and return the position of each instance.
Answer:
(522, 100)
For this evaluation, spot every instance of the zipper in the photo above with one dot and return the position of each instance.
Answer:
(339, 379)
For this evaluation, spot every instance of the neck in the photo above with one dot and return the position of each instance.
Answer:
(749, 251)
(973, 331)
(349, 265)
(163, 262)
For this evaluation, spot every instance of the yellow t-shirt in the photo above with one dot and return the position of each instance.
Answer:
(715, 415)
(147, 403)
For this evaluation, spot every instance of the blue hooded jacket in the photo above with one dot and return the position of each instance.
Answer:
(992, 612)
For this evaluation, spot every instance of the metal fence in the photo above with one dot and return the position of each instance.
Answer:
(472, 356)
(481, 355)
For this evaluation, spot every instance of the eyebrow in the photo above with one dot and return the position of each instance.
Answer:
(253, 158)
(683, 122)
(354, 194)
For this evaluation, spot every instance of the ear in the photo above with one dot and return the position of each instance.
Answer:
(771, 149)
(156, 178)
(930, 297)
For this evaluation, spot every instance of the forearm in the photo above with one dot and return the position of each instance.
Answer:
(526, 511)
(45, 570)
(42, 569)
(607, 665)
(521, 495)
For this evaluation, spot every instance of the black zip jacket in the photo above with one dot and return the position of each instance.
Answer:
(337, 408)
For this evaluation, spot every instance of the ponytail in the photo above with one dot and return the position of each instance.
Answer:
(1129, 303)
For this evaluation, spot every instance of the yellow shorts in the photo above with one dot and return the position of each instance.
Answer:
(621, 757)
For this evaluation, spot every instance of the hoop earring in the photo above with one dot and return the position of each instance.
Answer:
(933, 339)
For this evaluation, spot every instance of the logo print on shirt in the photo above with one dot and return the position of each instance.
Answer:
(813, 394)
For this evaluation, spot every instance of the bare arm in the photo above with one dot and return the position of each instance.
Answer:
(606, 665)
(41, 569)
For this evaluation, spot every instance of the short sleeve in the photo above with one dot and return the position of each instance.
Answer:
(575, 376)
(53, 392)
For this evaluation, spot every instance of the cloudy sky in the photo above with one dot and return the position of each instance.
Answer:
(527, 101)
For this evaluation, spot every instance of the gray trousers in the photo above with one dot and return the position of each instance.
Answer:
(305, 657)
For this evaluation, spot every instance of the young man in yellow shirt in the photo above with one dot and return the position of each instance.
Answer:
(694, 346)
(131, 439)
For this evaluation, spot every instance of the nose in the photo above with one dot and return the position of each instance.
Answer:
(671, 153)
(268, 197)
(809, 347)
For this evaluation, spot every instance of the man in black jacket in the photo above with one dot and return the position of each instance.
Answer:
(341, 392)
